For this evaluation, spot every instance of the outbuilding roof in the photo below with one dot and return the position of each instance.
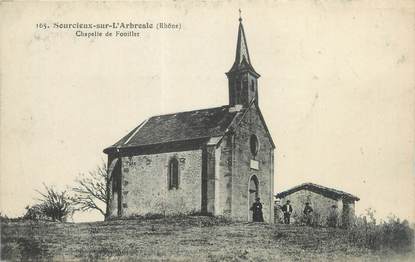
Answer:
(326, 191)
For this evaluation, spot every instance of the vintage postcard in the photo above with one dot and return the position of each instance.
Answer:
(207, 130)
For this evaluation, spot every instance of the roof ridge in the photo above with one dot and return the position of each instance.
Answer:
(203, 109)
(321, 187)
(136, 130)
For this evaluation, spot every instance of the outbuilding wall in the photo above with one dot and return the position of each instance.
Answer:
(321, 205)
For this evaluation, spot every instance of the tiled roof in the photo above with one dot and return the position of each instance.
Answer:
(326, 191)
(180, 126)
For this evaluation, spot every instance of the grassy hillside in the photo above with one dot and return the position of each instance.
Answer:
(178, 239)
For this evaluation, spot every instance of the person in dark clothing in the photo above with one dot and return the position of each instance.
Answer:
(257, 211)
(308, 210)
(287, 209)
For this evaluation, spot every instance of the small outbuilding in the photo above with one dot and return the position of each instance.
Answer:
(331, 206)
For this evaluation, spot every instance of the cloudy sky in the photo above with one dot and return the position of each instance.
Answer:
(337, 89)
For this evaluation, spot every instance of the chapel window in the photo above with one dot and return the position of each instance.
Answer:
(173, 174)
(237, 91)
(254, 145)
(245, 86)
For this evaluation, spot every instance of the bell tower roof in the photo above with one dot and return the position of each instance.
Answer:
(242, 59)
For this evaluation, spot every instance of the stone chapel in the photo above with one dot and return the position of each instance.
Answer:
(210, 161)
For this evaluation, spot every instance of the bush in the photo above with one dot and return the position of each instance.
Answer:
(148, 216)
(53, 204)
(3, 218)
(35, 212)
(333, 218)
(301, 219)
(317, 220)
(278, 214)
(388, 235)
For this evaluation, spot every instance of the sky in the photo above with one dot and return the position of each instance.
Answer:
(336, 89)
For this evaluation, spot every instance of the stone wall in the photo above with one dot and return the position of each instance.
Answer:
(114, 170)
(348, 215)
(242, 171)
(225, 177)
(145, 184)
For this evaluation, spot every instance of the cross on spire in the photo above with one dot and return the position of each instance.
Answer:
(240, 15)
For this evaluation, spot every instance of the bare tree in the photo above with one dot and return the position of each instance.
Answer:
(90, 190)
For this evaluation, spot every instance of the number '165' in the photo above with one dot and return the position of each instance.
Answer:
(41, 25)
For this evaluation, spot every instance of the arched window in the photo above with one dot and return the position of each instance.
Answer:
(173, 174)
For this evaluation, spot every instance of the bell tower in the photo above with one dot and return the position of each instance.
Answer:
(242, 77)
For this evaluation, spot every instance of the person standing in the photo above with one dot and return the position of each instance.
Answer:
(287, 209)
(308, 212)
(256, 208)
(278, 214)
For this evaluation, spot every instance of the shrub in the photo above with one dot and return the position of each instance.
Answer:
(195, 213)
(317, 219)
(3, 218)
(388, 235)
(53, 204)
(278, 214)
(149, 216)
(35, 212)
(301, 219)
(296, 218)
(333, 219)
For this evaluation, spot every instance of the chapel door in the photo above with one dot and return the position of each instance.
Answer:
(253, 194)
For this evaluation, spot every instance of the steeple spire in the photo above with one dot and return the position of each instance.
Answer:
(243, 79)
(242, 59)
